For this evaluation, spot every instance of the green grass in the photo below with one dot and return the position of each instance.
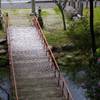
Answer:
(45, 13)
(54, 32)
(57, 11)
(96, 14)
(57, 38)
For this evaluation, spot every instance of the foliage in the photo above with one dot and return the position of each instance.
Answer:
(96, 14)
(56, 9)
(3, 61)
(93, 81)
(4, 72)
(78, 32)
(73, 62)
(80, 58)
(97, 33)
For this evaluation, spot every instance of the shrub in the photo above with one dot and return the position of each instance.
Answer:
(78, 32)
(97, 33)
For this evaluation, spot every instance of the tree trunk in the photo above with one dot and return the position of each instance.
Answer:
(64, 4)
(33, 7)
(81, 8)
(63, 17)
(0, 16)
(72, 3)
(0, 7)
(95, 3)
(87, 2)
(92, 28)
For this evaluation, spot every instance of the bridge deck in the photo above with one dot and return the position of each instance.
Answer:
(33, 73)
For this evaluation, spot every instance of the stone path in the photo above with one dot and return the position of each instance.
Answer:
(33, 72)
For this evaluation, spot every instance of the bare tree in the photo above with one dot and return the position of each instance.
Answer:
(80, 9)
(95, 3)
(87, 3)
(60, 6)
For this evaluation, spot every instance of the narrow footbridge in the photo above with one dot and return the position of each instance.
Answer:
(35, 74)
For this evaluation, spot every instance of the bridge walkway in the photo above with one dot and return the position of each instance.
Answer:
(32, 70)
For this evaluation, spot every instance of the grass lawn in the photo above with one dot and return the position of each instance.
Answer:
(53, 27)
(96, 14)
(57, 38)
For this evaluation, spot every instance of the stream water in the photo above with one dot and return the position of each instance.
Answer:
(5, 84)
(77, 91)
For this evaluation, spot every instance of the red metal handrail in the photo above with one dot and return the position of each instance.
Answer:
(61, 81)
(11, 60)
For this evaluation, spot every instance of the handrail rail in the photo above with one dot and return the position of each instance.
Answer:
(47, 45)
(61, 81)
(11, 58)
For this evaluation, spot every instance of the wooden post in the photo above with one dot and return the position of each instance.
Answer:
(58, 78)
(62, 88)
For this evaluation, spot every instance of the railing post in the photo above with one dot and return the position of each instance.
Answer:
(67, 95)
(55, 73)
(62, 88)
(46, 52)
(58, 78)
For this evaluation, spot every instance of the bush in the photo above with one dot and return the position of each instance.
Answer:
(79, 33)
(97, 33)
(3, 61)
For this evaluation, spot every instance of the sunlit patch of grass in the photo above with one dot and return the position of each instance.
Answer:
(57, 38)
(96, 14)
(57, 11)
(45, 13)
